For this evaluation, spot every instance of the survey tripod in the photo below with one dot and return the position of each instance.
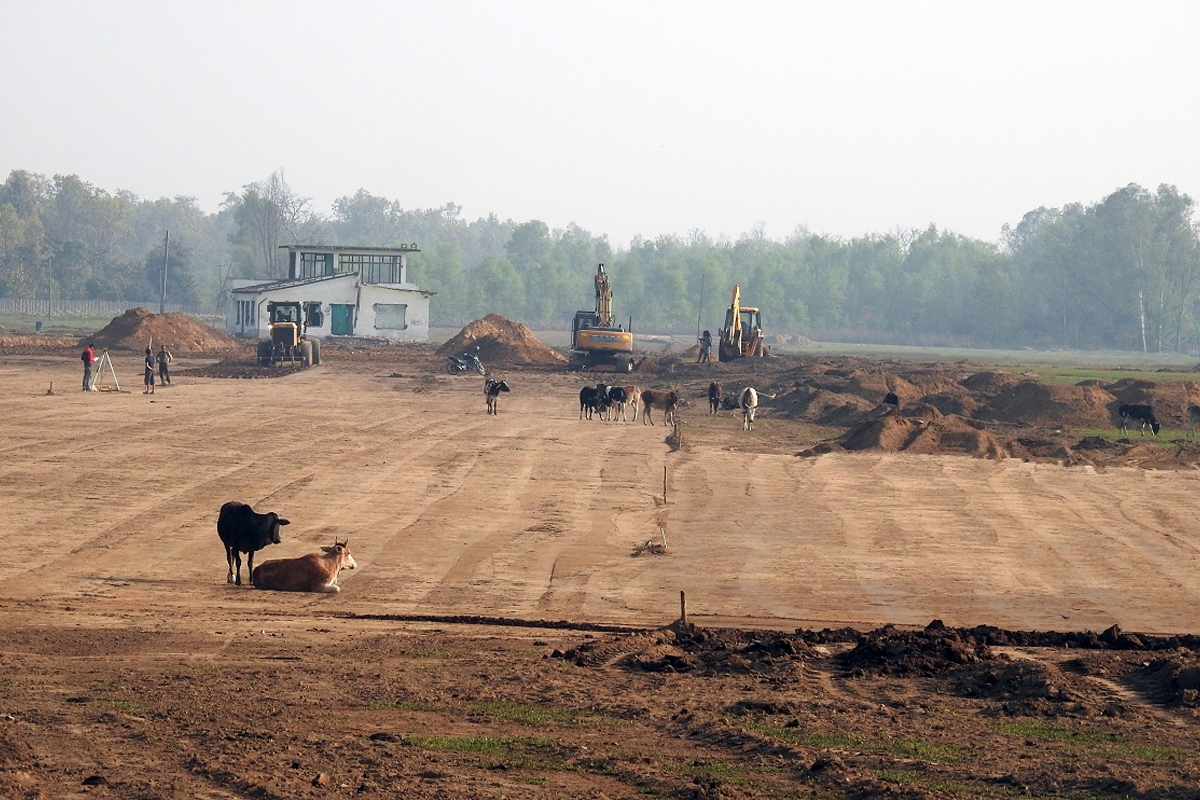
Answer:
(98, 367)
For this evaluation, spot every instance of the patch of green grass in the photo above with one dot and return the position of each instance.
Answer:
(1165, 440)
(1050, 732)
(1069, 376)
(1147, 752)
(399, 705)
(446, 654)
(515, 752)
(535, 715)
(933, 782)
(896, 748)
(717, 770)
(123, 705)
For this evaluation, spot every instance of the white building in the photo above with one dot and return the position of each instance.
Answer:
(345, 291)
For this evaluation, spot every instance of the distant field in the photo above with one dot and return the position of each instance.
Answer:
(74, 325)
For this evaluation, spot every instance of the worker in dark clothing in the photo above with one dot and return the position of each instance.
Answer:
(164, 371)
(149, 379)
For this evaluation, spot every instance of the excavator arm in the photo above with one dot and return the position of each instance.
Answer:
(603, 298)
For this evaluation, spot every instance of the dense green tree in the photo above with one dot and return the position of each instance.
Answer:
(1123, 272)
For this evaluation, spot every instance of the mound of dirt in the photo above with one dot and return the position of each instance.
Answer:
(1023, 687)
(502, 341)
(991, 383)
(1032, 403)
(931, 651)
(700, 651)
(1172, 680)
(138, 329)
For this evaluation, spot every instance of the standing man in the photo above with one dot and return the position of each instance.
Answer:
(149, 379)
(89, 357)
(164, 358)
(705, 346)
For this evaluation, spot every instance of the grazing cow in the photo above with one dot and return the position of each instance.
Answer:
(890, 399)
(657, 398)
(491, 391)
(714, 397)
(748, 401)
(590, 402)
(315, 572)
(244, 530)
(1193, 419)
(1142, 414)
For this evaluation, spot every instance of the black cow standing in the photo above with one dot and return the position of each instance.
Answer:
(244, 530)
(491, 391)
(714, 397)
(591, 401)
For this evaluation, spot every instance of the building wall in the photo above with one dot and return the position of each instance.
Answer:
(402, 313)
(379, 312)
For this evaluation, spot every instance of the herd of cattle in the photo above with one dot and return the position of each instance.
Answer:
(244, 530)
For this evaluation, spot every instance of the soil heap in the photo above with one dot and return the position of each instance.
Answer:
(502, 341)
(137, 328)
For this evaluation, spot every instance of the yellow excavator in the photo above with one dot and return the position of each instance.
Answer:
(742, 336)
(595, 340)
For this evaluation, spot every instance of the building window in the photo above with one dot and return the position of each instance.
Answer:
(315, 265)
(245, 313)
(314, 315)
(391, 316)
(371, 268)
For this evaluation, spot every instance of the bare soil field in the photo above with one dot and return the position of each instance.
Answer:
(960, 598)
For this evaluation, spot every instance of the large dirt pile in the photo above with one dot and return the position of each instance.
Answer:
(137, 329)
(1051, 406)
(502, 341)
(932, 434)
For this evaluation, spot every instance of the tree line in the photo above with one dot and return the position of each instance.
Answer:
(1121, 273)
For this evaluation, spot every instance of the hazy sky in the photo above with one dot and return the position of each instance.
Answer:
(623, 117)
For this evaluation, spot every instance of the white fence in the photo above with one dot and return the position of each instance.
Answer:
(60, 309)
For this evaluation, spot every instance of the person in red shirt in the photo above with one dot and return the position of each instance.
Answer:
(89, 357)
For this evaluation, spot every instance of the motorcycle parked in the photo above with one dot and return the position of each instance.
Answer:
(457, 365)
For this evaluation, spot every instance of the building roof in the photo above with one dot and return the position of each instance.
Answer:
(288, 283)
(270, 286)
(340, 248)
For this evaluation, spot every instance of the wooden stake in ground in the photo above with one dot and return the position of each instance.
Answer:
(664, 484)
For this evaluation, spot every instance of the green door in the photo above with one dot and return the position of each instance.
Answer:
(343, 320)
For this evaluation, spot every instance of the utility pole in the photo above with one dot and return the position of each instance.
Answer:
(162, 302)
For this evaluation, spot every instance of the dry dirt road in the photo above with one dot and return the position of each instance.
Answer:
(131, 669)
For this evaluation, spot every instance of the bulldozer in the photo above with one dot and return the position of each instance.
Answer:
(595, 340)
(742, 336)
(288, 340)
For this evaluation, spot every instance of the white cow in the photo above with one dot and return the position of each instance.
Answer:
(748, 402)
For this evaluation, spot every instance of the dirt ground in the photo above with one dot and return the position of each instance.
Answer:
(873, 610)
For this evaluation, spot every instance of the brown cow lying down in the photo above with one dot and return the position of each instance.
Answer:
(315, 572)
